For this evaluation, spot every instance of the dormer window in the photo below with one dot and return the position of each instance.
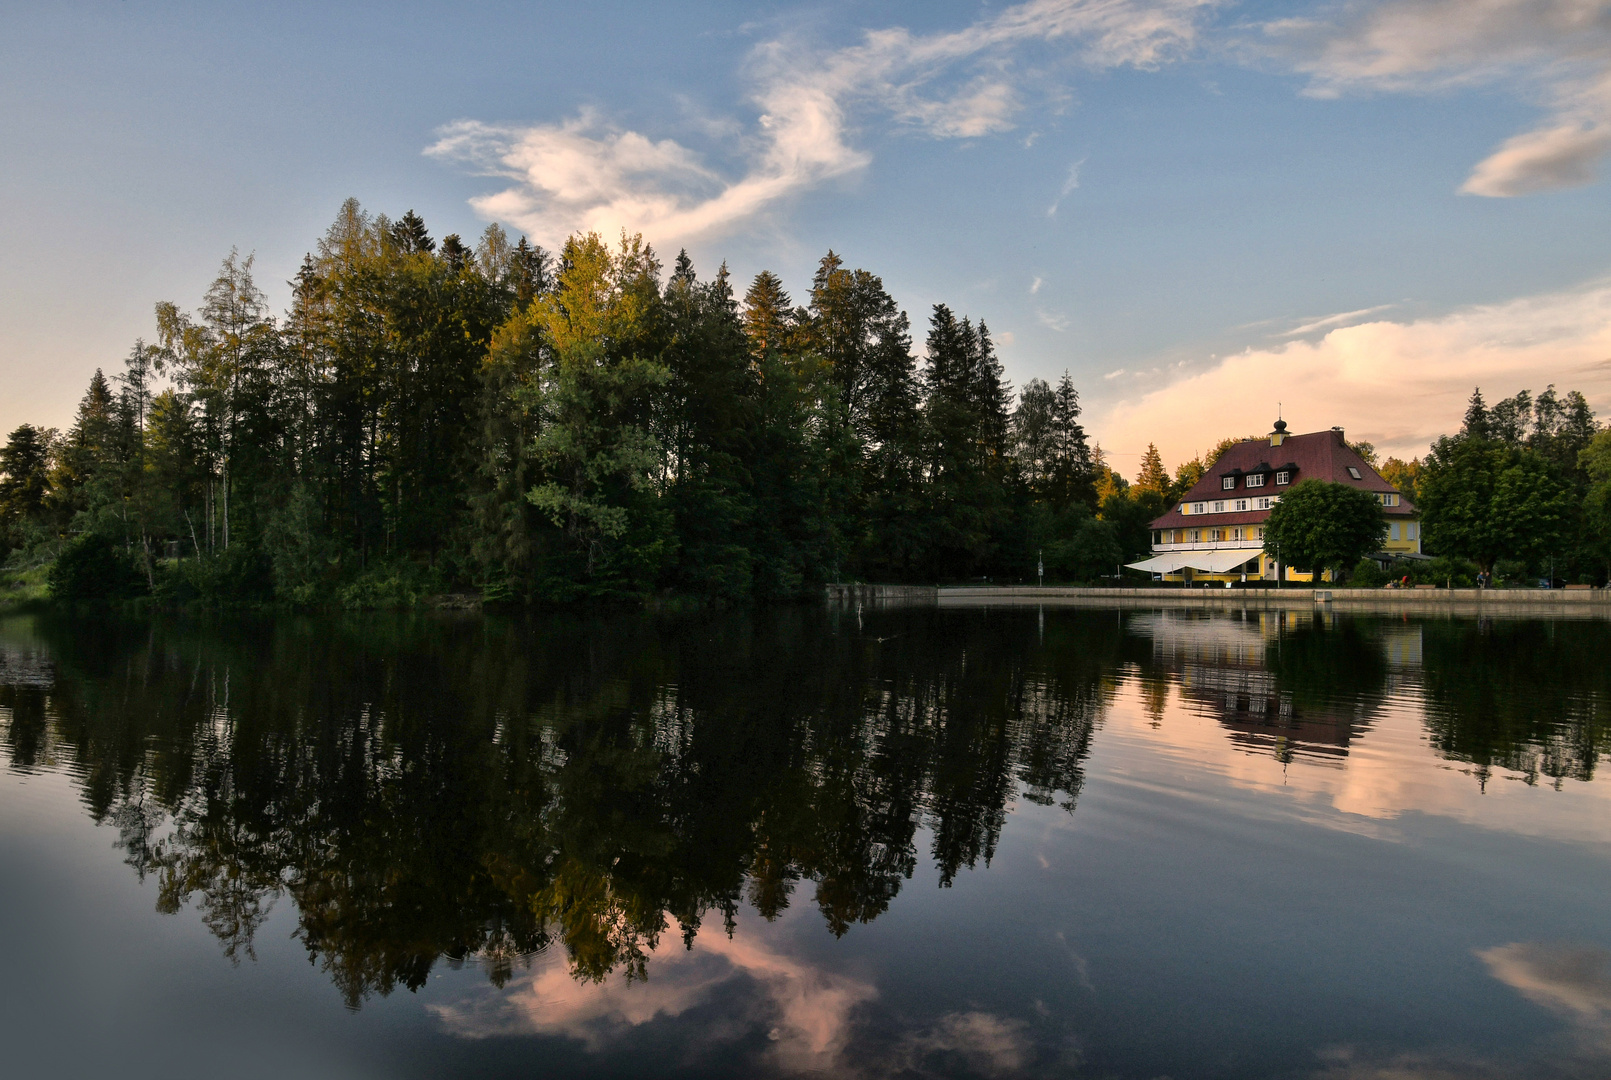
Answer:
(1228, 483)
(1255, 480)
(1199, 508)
(1283, 477)
(1354, 473)
(1219, 508)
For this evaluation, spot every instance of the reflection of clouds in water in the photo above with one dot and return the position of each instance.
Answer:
(730, 989)
(808, 1011)
(987, 1045)
(1572, 981)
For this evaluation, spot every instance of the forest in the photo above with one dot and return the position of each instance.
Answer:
(532, 426)
(512, 425)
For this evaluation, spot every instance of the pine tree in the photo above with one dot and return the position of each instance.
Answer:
(768, 316)
(1153, 476)
(409, 234)
(1476, 419)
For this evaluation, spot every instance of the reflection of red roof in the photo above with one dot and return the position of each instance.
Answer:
(1320, 455)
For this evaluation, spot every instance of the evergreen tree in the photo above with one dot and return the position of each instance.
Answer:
(1153, 478)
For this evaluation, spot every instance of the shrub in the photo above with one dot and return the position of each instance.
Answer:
(1508, 571)
(1368, 574)
(91, 567)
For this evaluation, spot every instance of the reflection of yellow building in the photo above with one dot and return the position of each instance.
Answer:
(1216, 531)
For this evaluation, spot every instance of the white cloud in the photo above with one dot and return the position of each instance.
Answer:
(584, 173)
(1559, 50)
(1052, 320)
(1070, 182)
(1034, 286)
(1397, 384)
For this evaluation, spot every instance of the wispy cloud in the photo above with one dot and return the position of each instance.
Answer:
(586, 173)
(1398, 384)
(1070, 182)
(1330, 321)
(1053, 320)
(1558, 50)
(1034, 286)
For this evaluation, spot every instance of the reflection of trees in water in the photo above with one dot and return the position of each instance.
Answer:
(482, 788)
(1529, 696)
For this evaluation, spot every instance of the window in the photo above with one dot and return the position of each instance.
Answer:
(1265, 503)
(1354, 473)
(1241, 504)
(1238, 534)
(1409, 531)
(1283, 477)
(1227, 483)
(1199, 508)
(1256, 480)
(1219, 508)
(1192, 535)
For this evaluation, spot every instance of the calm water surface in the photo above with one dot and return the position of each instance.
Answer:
(895, 843)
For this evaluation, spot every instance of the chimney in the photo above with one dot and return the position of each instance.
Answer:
(1278, 436)
(1337, 431)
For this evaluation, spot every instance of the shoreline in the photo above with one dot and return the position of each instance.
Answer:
(1582, 603)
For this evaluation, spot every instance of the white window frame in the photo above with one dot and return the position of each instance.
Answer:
(1219, 507)
(1241, 504)
(1199, 508)
(1266, 502)
(1255, 480)
(1283, 477)
(1227, 483)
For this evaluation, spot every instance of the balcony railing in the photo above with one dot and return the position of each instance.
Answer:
(1211, 545)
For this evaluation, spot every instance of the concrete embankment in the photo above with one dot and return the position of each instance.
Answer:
(1574, 603)
(1583, 603)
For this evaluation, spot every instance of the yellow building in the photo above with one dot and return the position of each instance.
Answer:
(1216, 531)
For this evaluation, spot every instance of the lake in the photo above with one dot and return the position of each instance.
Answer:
(887, 842)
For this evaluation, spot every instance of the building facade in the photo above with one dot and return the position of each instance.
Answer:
(1216, 531)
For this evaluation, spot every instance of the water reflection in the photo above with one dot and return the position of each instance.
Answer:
(575, 804)
(427, 788)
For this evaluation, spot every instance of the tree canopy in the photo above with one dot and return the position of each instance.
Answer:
(1319, 525)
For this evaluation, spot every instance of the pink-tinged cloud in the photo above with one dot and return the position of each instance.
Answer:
(1397, 384)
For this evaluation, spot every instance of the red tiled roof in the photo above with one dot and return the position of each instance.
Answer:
(1320, 455)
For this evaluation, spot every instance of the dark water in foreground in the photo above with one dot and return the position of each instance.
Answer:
(909, 843)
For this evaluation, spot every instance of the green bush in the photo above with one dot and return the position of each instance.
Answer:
(1368, 574)
(398, 584)
(1511, 572)
(91, 567)
(1445, 570)
(240, 575)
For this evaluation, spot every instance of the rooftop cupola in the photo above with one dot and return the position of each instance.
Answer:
(1279, 435)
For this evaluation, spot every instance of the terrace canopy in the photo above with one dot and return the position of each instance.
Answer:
(1208, 562)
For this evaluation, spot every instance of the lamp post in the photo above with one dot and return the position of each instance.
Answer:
(1040, 569)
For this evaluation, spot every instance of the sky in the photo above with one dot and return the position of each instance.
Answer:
(1205, 211)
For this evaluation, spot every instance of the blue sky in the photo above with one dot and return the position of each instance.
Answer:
(1199, 209)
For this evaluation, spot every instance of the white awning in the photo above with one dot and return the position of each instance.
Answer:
(1213, 561)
